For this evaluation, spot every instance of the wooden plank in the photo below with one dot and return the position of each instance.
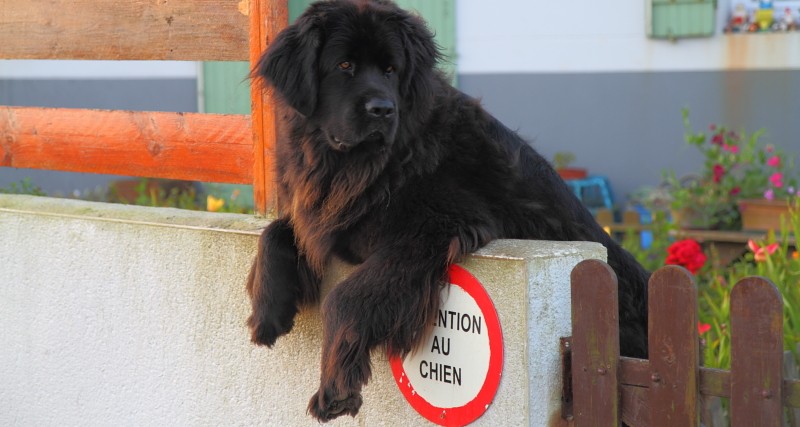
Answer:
(790, 372)
(198, 147)
(267, 19)
(635, 372)
(635, 406)
(715, 382)
(673, 347)
(595, 344)
(191, 30)
(756, 353)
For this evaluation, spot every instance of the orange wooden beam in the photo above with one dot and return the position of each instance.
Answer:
(267, 19)
(190, 146)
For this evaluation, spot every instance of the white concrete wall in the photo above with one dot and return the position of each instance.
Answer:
(135, 316)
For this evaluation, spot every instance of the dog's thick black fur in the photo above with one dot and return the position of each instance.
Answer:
(385, 165)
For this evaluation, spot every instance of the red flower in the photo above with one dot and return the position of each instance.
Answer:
(686, 253)
(762, 252)
(718, 138)
(719, 172)
(735, 191)
(703, 328)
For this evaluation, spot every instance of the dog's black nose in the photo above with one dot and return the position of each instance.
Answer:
(379, 108)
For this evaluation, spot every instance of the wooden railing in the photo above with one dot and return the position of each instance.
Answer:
(202, 147)
(667, 389)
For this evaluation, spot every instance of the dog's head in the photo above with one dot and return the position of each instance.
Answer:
(354, 69)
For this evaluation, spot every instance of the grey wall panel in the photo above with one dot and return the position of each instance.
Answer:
(628, 126)
(143, 95)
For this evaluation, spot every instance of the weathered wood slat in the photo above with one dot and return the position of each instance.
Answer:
(715, 382)
(635, 405)
(267, 19)
(756, 353)
(132, 29)
(595, 345)
(198, 147)
(673, 348)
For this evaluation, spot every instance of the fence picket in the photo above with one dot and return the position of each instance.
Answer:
(756, 353)
(595, 345)
(673, 348)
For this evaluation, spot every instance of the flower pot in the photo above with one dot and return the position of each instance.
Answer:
(763, 214)
(572, 173)
(690, 219)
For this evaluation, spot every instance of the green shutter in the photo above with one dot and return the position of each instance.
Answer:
(441, 18)
(296, 7)
(226, 87)
(673, 19)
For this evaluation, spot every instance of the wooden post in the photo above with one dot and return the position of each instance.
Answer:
(267, 19)
(595, 344)
(756, 353)
(673, 348)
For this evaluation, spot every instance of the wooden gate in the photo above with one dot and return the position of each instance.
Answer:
(667, 389)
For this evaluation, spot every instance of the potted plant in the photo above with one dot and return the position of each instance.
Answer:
(562, 161)
(740, 175)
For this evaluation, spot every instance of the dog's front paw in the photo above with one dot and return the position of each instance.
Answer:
(265, 329)
(325, 408)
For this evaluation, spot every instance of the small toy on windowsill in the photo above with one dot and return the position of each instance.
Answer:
(739, 21)
(765, 15)
(786, 23)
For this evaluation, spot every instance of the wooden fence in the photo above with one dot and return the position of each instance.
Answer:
(667, 389)
(206, 147)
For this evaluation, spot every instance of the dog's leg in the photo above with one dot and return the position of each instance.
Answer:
(389, 300)
(280, 281)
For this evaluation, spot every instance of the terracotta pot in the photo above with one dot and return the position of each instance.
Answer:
(572, 173)
(763, 214)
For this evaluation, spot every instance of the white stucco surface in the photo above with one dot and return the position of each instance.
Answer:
(118, 315)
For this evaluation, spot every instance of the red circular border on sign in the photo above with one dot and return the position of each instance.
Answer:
(463, 415)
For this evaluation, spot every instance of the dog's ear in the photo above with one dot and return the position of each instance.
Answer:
(421, 55)
(290, 63)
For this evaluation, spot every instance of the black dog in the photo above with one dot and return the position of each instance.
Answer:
(385, 165)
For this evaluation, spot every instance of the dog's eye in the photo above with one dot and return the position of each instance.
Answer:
(390, 70)
(345, 66)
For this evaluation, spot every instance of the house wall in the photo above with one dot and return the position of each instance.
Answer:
(583, 76)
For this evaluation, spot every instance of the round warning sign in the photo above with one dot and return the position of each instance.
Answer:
(453, 377)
